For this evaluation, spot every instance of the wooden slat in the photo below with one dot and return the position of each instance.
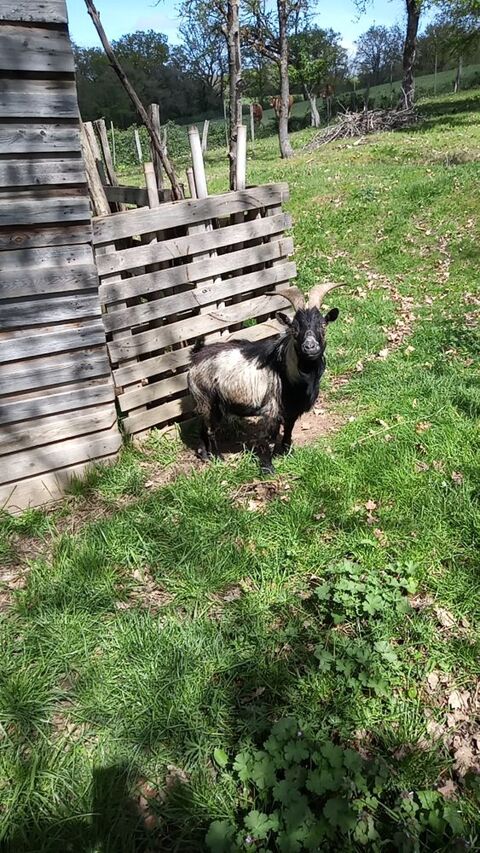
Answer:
(43, 489)
(206, 294)
(107, 229)
(22, 138)
(19, 260)
(192, 244)
(46, 11)
(34, 208)
(129, 195)
(40, 99)
(158, 415)
(27, 463)
(27, 48)
(55, 279)
(154, 391)
(60, 340)
(29, 172)
(189, 274)
(52, 370)
(21, 313)
(61, 401)
(22, 237)
(159, 364)
(43, 431)
(193, 327)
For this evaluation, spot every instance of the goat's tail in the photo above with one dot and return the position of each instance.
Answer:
(198, 345)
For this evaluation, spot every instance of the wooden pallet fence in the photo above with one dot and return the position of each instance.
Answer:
(57, 409)
(209, 282)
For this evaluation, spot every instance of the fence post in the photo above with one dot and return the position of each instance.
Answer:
(241, 163)
(138, 145)
(191, 183)
(154, 112)
(252, 126)
(114, 152)
(206, 125)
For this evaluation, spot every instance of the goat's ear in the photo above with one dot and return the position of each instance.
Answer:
(332, 315)
(283, 318)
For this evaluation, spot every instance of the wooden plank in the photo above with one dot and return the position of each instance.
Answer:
(52, 370)
(33, 209)
(60, 340)
(192, 327)
(22, 138)
(28, 172)
(45, 11)
(40, 99)
(158, 415)
(178, 247)
(18, 261)
(22, 313)
(27, 463)
(28, 281)
(168, 361)
(189, 274)
(206, 294)
(127, 195)
(21, 237)
(45, 488)
(43, 431)
(154, 391)
(21, 409)
(27, 48)
(107, 229)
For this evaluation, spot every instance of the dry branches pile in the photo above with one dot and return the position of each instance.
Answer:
(350, 125)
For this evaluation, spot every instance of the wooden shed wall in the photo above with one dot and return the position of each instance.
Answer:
(57, 408)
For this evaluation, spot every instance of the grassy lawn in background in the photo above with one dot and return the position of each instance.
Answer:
(211, 664)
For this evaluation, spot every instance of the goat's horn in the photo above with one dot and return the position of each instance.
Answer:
(318, 293)
(293, 294)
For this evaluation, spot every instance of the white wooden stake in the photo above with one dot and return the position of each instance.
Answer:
(197, 162)
(191, 183)
(138, 145)
(241, 164)
(206, 125)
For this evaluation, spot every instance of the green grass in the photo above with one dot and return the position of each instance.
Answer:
(162, 631)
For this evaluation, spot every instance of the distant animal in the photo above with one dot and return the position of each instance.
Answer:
(276, 102)
(328, 91)
(257, 113)
(276, 379)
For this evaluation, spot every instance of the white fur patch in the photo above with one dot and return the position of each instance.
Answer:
(240, 382)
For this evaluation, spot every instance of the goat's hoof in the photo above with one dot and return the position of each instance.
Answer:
(203, 455)
(282, 449)
(267, 469)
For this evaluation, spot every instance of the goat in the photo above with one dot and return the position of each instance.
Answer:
(276, 103)
(276, 379)
(257, 111)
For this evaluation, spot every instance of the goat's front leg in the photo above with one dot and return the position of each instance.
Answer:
(286, 445)
(263, 449)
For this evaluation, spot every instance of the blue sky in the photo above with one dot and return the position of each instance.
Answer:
(126, 16)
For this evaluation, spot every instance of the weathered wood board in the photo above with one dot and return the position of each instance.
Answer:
(57, 409)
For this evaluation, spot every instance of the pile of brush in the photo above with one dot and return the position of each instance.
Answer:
(352, 125)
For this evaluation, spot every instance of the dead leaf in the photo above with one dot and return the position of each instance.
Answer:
(438, 465)
(383, 354)
(370, 505)
(444, 617)
(458, 700)
(256, 693)
(253, 506)
(409, 350)
(420, 467)
(380, 535)
(448, 790)
(433, 681)
(175, 776)
(436, 730)
(359, 366)
(464, 760)
(422, 426)
(457, 477)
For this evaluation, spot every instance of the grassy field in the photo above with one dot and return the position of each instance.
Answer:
(205, 662)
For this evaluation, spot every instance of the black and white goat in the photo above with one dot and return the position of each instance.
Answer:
(276, 379)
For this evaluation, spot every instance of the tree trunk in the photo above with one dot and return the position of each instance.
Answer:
(235, 84)
(458, 77)
(312, 99)
(286, 149)
(409, 51)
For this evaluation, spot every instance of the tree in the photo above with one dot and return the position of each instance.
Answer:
(316, 58)
(203, 54)
(268, 32)
(378, 49)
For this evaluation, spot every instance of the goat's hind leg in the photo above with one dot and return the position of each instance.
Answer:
(263, 449)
